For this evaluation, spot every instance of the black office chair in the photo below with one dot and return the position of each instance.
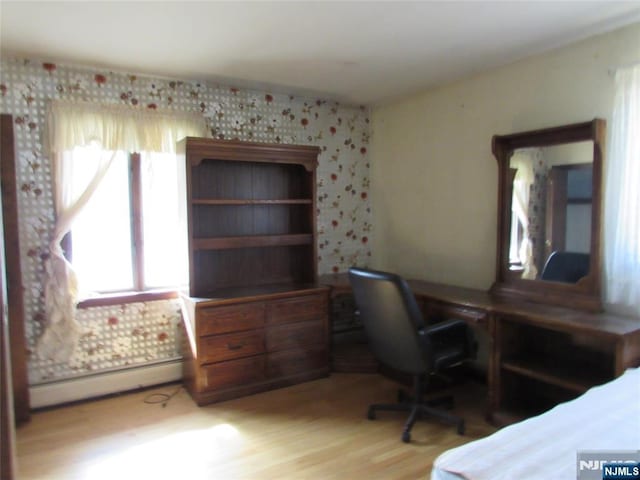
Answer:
(566, 267)
(399, 338)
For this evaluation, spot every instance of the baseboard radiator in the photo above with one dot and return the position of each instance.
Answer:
(72, 390)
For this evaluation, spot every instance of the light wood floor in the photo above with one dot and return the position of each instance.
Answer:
(315, 430)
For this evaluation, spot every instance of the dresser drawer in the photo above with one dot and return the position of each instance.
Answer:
(233, 373)
(218, 348)
(295, 335)
(233, 318)
(297, 309)
(291, 362)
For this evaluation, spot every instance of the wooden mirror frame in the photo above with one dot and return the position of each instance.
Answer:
(586, 293)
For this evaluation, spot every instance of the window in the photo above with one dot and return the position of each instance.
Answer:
(515, 242)
(130, 235)
(109, 244)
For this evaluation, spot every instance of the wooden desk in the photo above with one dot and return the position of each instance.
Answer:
(539, 355)
(471, 304)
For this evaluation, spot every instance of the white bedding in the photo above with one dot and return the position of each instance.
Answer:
(545, 447)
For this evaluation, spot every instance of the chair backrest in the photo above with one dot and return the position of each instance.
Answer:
(392, 319)
(566, 267)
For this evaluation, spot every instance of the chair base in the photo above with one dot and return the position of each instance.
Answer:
(418, 409)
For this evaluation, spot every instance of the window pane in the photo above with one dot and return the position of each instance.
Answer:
(101, 234)
(164, 221)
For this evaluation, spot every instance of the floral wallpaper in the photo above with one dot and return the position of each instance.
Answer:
(537, 208)
(142, 333)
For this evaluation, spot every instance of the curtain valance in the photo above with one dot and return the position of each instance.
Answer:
(118, 127)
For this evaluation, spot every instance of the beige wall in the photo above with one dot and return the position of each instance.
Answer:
(434, 179)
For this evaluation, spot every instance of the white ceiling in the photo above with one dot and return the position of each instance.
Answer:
(358, 52)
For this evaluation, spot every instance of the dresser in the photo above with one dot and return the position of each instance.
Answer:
(244, 345)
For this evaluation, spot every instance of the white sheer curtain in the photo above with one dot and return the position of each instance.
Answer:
(61, 288)
(622, 207)
(523, 161)
(108, 129)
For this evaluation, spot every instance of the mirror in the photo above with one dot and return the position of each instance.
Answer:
(551, 201)
(549, 215)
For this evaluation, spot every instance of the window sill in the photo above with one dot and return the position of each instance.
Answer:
(123, 298)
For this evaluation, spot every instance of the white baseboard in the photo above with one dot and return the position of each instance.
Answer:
(65, 391)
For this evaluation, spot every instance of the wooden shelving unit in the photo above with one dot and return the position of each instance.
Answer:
(258, 319)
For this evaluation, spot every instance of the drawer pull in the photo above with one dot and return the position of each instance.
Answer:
(236, 346)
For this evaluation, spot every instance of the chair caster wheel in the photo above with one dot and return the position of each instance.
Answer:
(406, 437)
(371, 414)
(461, 428)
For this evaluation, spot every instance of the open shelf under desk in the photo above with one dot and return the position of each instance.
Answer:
(248, 241)
(569, 378)
(523, 396)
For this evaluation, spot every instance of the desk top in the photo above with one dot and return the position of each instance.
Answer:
(553, 317)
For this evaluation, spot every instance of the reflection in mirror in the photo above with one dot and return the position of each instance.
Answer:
(549, 215)
(551, 202)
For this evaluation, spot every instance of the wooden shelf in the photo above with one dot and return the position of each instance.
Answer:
(222, 296)
(553, 373)
(225, 243)
(251, 213)
(229, 201)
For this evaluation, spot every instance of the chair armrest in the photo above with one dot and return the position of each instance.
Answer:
(453, 331)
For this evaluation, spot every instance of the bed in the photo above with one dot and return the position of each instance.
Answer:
(606, 417)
